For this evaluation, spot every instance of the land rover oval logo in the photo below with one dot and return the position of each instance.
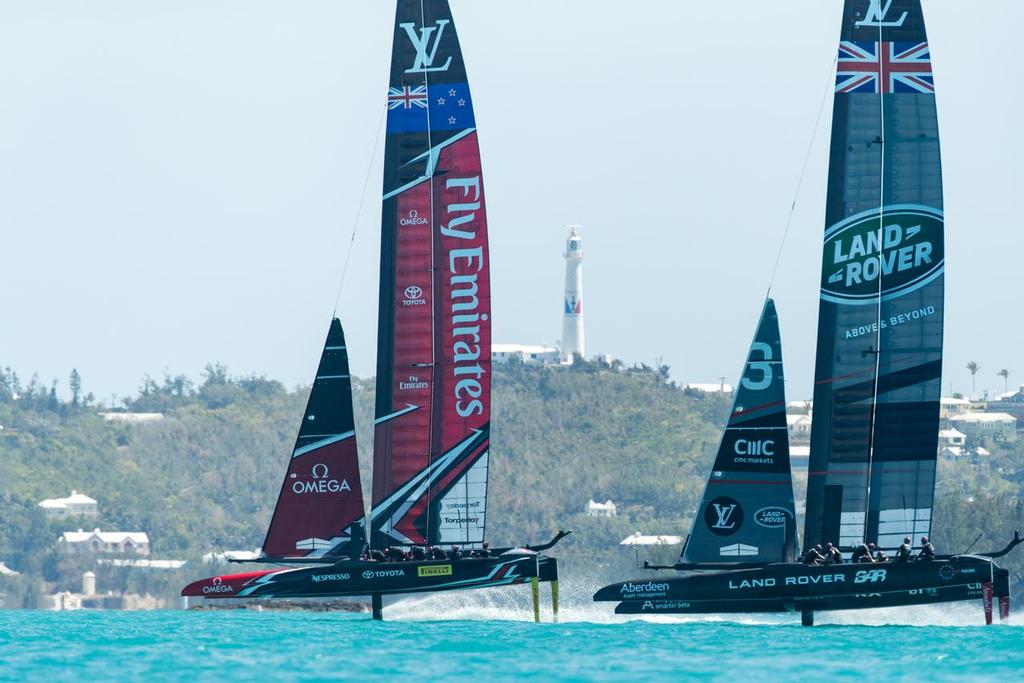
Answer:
(723, 516)
(771, 517)
(900, 251)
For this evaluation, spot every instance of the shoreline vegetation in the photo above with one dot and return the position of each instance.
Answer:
(205, 477)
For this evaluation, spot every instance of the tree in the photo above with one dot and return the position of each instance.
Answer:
(973, 367)
(1005, 374)
(76, 387)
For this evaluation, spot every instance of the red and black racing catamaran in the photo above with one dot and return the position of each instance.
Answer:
(874, 437)
(433, 399)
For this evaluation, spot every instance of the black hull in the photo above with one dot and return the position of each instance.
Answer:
(358, 578)
(801, 588)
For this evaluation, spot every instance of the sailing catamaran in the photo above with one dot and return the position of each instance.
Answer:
(874, 438)
(433, 405)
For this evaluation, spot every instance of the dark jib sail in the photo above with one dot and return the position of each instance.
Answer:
(747, 512)
(434, 349)
(320, 509)
(879, 362)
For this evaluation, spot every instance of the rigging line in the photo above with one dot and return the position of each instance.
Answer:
(878, 304)
(803, 171)
(433, 280)
(359, 209)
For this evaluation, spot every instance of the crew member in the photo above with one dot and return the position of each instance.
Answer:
(927, 552)
(485, 550)
(396, 554)
(814, 556)
(376, 555)
(832, 554)
(861, 554)
(416, 553)
(877, 555)
(455, 553)
(903, 552)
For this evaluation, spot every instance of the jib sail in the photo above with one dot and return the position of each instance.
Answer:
(320, 509)
(747, 512)
(434, 349)
(879, 362)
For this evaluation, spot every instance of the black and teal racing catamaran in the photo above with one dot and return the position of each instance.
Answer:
(874, 439)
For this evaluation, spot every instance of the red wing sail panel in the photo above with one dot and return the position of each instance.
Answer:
(434, 345)
(320, 508)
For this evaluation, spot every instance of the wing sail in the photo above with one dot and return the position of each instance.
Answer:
(874, 437)
(747, 512)
(434, 350)
(320, 511)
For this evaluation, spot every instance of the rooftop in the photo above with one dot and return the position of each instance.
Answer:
(137, 537)
(983, 417)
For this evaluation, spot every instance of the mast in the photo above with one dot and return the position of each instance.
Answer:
(747, 512)
(874, 437)
(432, 426)
(320, 507)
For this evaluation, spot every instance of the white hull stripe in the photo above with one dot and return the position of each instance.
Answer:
(407, 409)
(316, 445)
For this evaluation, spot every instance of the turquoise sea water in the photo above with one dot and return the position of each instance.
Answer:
(489, 639)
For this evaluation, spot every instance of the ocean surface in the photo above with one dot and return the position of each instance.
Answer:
(489, 636)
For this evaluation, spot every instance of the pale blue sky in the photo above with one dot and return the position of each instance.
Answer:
(179, 179)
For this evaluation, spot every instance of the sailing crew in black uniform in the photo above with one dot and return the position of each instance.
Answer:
(927, 552)
(861, 554)
(814, 557)
(832, 554)
(903, 552)
(877, 555)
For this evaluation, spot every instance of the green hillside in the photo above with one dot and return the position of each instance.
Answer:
(207, 475)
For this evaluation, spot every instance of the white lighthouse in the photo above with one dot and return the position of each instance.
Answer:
(572, 322)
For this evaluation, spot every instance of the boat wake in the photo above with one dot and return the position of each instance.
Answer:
(512, 603)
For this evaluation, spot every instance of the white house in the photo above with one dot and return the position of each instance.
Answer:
(132, 418)
(75, 505)
(951, 437)
(799, 426)
(532, 354)
(949, 406)
(605, 509)
(105, 542)
(995, 426)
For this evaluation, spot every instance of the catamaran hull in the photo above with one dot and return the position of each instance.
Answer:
(801, 588)
(357, 578)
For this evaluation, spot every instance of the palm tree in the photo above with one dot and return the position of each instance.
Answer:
(1005, 374)
(973, 368)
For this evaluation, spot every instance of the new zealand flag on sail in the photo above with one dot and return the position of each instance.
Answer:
(889, 67)
(442, 106)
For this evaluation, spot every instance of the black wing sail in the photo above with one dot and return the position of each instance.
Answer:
(747, 512)
(878, 368)
(320, 509)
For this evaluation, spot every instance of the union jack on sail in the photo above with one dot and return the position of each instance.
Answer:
(884, 67)
(407, 97)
